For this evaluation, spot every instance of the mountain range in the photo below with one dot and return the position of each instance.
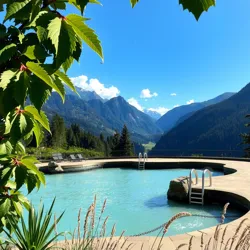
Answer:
(213, 130)
(97, 116)
(179, 114)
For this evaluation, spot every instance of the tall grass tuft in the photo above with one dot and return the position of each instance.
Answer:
(94, 234)
(240, 240)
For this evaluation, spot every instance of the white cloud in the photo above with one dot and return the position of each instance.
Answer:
(145, 93)
(161, 110)
(190, 101)
(132, 101)
(95, 85)
(173, 94)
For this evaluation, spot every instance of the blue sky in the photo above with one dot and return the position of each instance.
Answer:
(160, 47)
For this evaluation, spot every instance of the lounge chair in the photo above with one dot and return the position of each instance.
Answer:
(80, 157)
(60, 157)
(73, 158)
(57, 157)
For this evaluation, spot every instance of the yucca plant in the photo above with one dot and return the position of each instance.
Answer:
(36, 233)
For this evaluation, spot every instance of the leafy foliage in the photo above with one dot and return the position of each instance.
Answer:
(37, 46)
(197, 7)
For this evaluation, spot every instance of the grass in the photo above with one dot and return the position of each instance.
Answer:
(148, 146)
(46, 153)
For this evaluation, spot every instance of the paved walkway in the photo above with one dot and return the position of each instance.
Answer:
(236, 184)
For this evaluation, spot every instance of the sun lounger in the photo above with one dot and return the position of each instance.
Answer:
(57, 157)
(80, 157)
(60, 157)
(73, 158)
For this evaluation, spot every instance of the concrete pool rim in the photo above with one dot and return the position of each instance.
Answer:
(234, 185)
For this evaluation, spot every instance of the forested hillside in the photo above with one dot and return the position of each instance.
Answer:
(179, 114)
(214, 130)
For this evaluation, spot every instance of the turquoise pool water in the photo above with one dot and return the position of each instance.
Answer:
(136, 200)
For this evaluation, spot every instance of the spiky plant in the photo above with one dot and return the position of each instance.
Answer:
(36, 233)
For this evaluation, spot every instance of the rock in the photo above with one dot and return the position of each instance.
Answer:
(178, 189)
(54, 167)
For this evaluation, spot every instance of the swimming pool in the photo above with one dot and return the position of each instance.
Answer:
(136, 200)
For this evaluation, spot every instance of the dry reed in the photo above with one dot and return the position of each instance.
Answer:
(167, 225)
(224, 212)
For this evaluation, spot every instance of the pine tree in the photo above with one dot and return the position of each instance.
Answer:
(71, 140)
(58, 131)
(125, 145)
(115, 147)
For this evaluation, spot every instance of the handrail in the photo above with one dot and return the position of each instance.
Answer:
(196, 176)
(145, 157)
(203, 178)
(140, 157)
(190, 181)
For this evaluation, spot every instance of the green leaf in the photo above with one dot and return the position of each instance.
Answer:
(30, 165)
(39, 116)
(134, 2)
(41, 23)
(66, 65)
(43, 75)
(35, 52)
(5, 175)
(38, 133)
(3, 32)
(5, 148)
(11, 184)
(54, 29)
(81, 4)
(59, 5)
(7, 52)
(77, 53)
(20, 176)
(20, 90)
(64, 39)
(4, 206)
(18, 207)
(65, 79)
(85, 33)
(36, 7)
(31, 182)
(197, 7)
(22, 124)
(59, 85)
(20, 148)
(6, 77)
(39, 92)
(14, 7)
(7, 100)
